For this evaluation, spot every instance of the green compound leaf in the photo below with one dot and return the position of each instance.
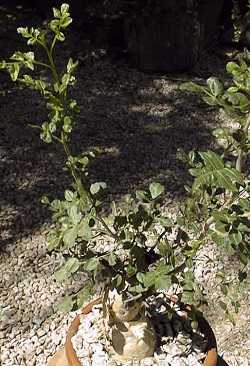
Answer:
(157, 278)
(215, 172)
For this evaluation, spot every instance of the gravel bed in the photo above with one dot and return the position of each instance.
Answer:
(30, 328)
(140, 122)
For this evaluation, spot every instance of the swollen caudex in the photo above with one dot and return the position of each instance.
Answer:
(150, 337)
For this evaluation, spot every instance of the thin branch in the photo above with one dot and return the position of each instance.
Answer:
(34, 126)
(100, 219)
(53, 44)
(42, 64)
(241, 155)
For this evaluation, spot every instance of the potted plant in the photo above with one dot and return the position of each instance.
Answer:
(149, 256)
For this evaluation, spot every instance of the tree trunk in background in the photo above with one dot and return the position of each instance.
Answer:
(165, 41)
(171, 39)
(209, 15)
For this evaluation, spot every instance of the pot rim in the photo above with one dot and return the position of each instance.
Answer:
(210, 360)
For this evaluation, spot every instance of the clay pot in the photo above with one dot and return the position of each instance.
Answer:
(69, 350)
(71, 359)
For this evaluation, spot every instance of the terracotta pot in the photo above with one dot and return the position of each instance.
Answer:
(72, 359)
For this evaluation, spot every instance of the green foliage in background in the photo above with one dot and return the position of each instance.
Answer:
(220, 194)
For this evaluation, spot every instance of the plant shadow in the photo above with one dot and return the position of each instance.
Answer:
(221, 362)
(140, 123)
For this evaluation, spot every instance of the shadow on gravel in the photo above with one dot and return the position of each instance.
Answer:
(221, 362)
(138, 121)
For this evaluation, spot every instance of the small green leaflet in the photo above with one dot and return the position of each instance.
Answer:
(112, 259)
(96, 187)
(117, 280)
(235, 237)
(69, 267)
(158, 278)
(141, 195)
(74, 215)
(56, 13)
(234, 69)
(215, 86)
(84, 295)
(193, 87)
(187, 297)
(71, 65)
(69, 236)
(137, 289)
(91, 264)
(163, 248)
(84, 230)
(131, 270)
(147, 279)
(69, 195)
(156, 189)
(223, 305)
(65, 305)
(14, 71)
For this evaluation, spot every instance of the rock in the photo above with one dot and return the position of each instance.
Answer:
(40, 333)
(2, 334)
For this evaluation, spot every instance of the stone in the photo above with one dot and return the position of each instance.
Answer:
(40, 332)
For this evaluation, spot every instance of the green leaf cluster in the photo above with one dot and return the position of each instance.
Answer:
(219, 196)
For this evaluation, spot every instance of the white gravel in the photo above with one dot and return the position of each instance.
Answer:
(30, 328)
(184, 349)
